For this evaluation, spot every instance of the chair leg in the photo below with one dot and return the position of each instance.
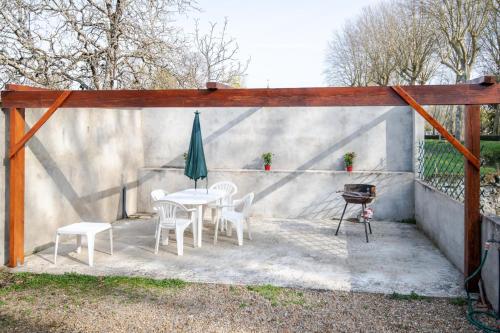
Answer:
(194, 228)
(370, 226)
(158, 234)
(216, 230)
(90, 246)
(55, 248)
(239, 233)
(164, 239)
(343, 212)
(213, 215)
(156, 226)
(111, 240)
(78, 243)
(249, 230)
(179, 237)
(366, 231)
(222, 223)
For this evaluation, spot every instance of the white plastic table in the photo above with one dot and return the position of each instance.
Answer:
(198, 198)
(88, 229)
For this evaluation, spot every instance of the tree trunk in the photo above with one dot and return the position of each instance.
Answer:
(458, 122)
(496, 120)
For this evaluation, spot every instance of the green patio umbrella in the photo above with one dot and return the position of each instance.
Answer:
(196, 168)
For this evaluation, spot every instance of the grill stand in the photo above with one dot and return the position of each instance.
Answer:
(361, 220)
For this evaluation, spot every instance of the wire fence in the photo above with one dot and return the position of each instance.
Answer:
(440, 165)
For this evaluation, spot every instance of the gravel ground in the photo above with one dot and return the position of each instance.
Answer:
(49, 303)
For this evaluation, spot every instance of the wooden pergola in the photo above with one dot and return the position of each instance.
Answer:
(481, 91)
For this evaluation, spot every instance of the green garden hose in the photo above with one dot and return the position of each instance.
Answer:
(474, 316)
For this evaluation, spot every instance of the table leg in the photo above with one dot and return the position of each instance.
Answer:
(200, 223)
(78, 243)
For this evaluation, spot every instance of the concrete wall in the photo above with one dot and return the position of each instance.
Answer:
(442, 220)
(80, 159)
(308, 146)
(301, 138)
(491, 229)
(295, 194)
(76, 166)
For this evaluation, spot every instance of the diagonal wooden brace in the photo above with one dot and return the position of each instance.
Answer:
(57, 103)
(451, 139)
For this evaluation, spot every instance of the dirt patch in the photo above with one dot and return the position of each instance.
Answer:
(79, 303)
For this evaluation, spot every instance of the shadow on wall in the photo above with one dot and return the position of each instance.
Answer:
(338, 145)
(179, 160)
(332, 204)
(82, 205)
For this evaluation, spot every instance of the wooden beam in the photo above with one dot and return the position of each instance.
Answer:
(57, 103)
(274, 97)
(217, 85)
(472, 217)
(16, 190)
(486, 80)
(472, 158)
(22, 87)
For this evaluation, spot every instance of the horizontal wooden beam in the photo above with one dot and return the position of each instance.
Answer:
(217, 85)
(53, 108)
(434, 123)
(486, 80)
(275, 97)
(22, 87)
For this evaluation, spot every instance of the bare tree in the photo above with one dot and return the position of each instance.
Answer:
(416, 46)
(91, 44)
(386, 44)
(460, 24)
(210, 56)
(216, 54)
(489, 62)
(110, 44)
(377, 25)
(346, 61)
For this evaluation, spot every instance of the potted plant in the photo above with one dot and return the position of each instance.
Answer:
(268, 159)
(348, 160)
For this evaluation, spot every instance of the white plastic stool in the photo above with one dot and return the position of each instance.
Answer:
(87, 229)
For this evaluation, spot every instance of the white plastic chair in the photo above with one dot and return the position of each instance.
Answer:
(168, 219)
(229, 189)
(237, 214)
(155, 196)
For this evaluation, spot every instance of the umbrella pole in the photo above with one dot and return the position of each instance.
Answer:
(195, 184)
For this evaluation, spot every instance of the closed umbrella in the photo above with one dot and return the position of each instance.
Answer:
(196, 167)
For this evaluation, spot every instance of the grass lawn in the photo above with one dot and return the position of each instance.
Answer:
(449, 161)
(80, 303)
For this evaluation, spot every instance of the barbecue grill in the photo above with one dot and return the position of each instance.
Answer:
(361, 194)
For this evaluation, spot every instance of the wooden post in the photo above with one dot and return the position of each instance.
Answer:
(16, 189)
(472, 217)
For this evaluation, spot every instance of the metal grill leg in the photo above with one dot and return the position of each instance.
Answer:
(366, 231)
(343, 212)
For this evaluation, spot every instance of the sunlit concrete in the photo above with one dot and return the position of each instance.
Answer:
(295, 253)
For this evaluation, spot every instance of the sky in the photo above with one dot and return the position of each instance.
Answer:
(286, 40)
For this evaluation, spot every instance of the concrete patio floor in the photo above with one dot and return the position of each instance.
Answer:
(292, 253)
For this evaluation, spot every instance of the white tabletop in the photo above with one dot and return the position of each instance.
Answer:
(194, 197)
(83, 228)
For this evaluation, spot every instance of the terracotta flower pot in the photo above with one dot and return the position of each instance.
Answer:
(267, 167)
(348, 168)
